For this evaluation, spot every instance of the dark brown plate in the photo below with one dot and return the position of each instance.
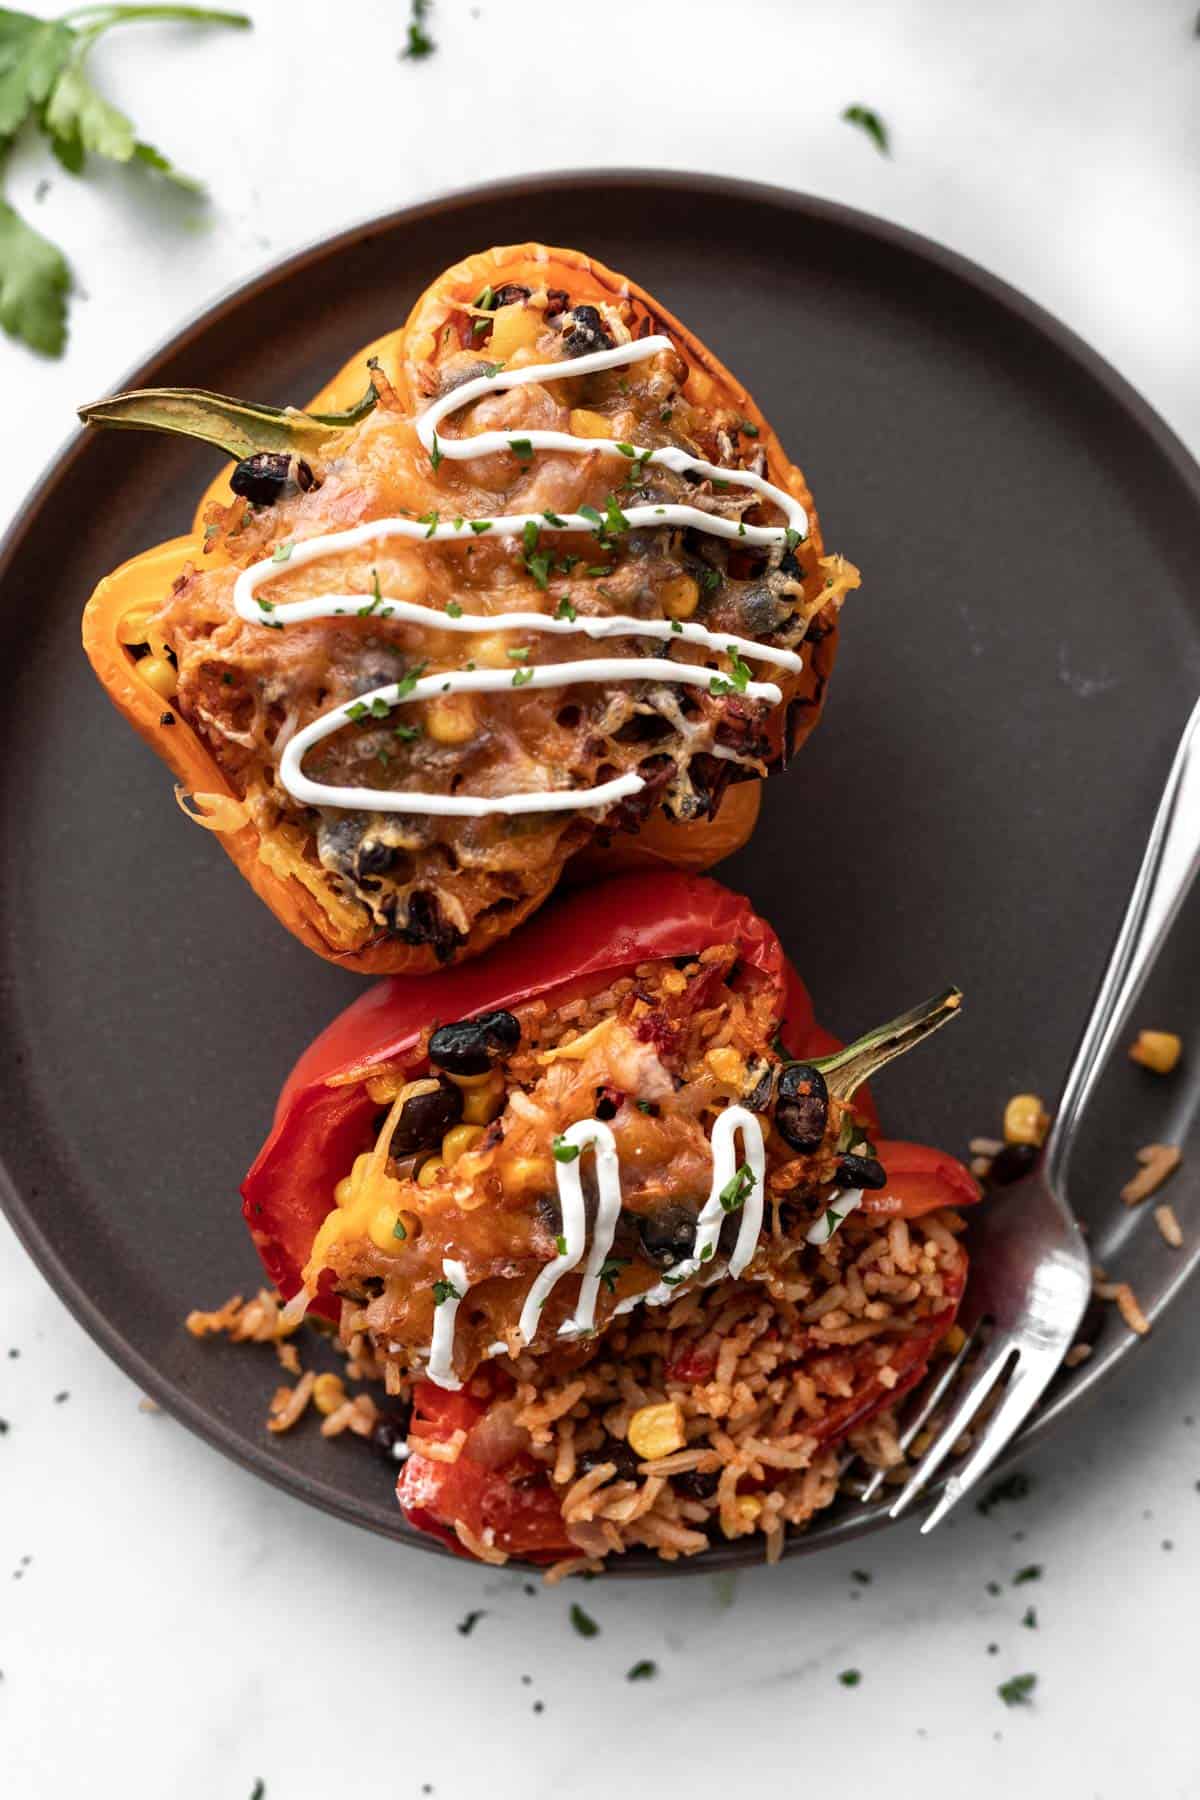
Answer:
(1012, 681)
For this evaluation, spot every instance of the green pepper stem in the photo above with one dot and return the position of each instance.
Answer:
(234, 426)
(846, 1070)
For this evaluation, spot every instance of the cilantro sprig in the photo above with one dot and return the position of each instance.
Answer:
(44, 85)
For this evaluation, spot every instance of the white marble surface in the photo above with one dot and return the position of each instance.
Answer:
(170, 1626)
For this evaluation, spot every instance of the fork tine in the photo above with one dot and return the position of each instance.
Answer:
(980, 1386)
(1022, 1394)
(925, 1410)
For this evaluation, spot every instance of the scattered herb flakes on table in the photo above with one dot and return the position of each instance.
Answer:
(583, 1622)
(1018, 1690)
(870, 122)
(44, 83)
(419, 44)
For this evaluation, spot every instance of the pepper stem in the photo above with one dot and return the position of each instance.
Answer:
(846, 1070)
(235, 426)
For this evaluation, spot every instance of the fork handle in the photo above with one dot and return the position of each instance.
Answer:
(1168, 868)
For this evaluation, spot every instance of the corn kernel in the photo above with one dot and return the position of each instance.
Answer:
(383, 1089)
(430, 1171)
(727, 1066)
(158, 673)
(528, 1173)
(680, 597)
(490, 650)
(1157, 1050)
(482, 1103)
(450, 719)
(515, 327)
(382, 1230)
(134, 626)
(954, 1340)
(749, 1506)
(328, 1393)
(657, 1430)
(589, 424)
(458, 1140)
(1026, 1120)
(343, 1193)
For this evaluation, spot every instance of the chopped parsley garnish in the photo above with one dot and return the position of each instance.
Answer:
(610, 1269)
(406, 733)
(594, 569)
(741, 671)
(444, 1290)
(357, 711)
(454, 609)
(615, 521)
(479, 526)
(677, 627)
(537, 561)
(850, 1677)
(398, 1230)
(487, 370)
(436, 459)
(552, 518)
(376, 600)
(281, 552)
(583, 1622)
(642, 1671)
(706, 1253)
(419, 44)
(431, 519)
(380, 708)
(627, 449)
(592, 516)
(748, 428)
(710, 580)
(647, 1106)
(522, 677)
(564, 1152)
(517, 655)
(1018, 1690)
(791, 537)
(467, 1625)
(1029, 1619)
(870, 122)
(1012, 1487)
(408, 682)
(1031, 1572)
(560, 1244)
(266, 606)
(522, 449)
(564, 609)
(737, 1189)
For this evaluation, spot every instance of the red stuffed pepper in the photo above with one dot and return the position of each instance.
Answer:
(610, 1216)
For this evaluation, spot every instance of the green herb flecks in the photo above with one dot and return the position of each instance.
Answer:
(479, 526)
(642, 1671)
(560, 1244)
(737, 1189)
(398, 1231)
(872, 124)
(408, 682)
(1031, 1572)
(564, 609)
(453, 609)
(850, 1677)
(522, 677)
(419, 44)
(443, 1291)
(1018, 1690)
(610, 1269)
(1011, 1487)
(522, 449)
(583, 1622)
(564, 1152)
(436, 459)
(467, 1625)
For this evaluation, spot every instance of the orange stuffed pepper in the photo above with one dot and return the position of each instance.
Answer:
(547, 597)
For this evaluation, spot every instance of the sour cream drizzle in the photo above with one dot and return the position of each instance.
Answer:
(380, 701)
(734, 1121)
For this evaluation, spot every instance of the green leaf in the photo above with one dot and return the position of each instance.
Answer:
(32, 52)
(872, 124)
(34, 281)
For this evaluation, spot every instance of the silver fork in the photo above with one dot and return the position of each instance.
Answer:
(1030, 1271)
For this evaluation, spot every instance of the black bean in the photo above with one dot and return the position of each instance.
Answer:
(262, 478)
(667, 1235)
(612, 1450)
(390, 1432)
(861, 1172)
(1011, 1163)
(761, 612)
(470, 1046)
(584, 330)
(374, 858)
(425, 1119)
(692, 1485)
(801, 1106)
(791, 565)
(758, 1091)
(427, 925)
(511, 291)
